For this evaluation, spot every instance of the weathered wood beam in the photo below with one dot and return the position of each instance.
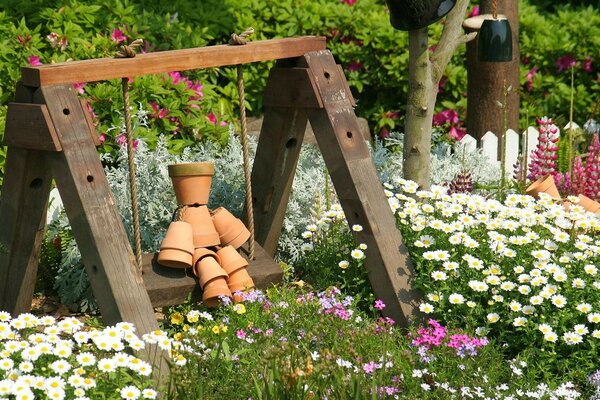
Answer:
(167, 61)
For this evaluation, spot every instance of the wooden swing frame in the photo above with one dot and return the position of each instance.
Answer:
(50, 135)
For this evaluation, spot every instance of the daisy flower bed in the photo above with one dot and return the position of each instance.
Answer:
(522, 272)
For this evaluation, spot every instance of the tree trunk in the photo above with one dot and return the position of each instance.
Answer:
(424, 74)
(486, 81)
(419, 110)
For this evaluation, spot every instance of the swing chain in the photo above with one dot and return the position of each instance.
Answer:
(128, 51)
(241, 40)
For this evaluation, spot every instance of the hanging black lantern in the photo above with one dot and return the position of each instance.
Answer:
(495, 40)
(408, 15)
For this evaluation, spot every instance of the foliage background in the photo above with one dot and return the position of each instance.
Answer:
(374, 56)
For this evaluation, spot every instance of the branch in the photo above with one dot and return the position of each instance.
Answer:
(451, 37)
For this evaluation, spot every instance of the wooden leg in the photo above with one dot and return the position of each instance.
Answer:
(360, 191)
(275, 162)
(23, 205)
(95, 221)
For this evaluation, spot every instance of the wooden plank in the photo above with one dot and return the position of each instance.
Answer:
(95, 221)
(90, 122)
(23, 205)
(291, 87)
(29, 126)
(167, 61)
(25, 191)
(171, 286)
(168, 286)
(273, 172)
(360, 191)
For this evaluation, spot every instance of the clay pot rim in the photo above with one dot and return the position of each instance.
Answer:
(176, 249)
(191, 169)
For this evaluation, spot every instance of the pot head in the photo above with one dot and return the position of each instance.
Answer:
(408, 15)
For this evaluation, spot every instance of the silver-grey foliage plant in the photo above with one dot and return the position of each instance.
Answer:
(157, 200)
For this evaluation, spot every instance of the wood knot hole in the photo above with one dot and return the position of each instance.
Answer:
(349, 135)
(36, 183)
(90, 178)
(66, 111)
(327, 75)
(291, 143)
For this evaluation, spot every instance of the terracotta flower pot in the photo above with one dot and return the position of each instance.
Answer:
(205, 234)
(543, 185)
(589, 204)
(177, 247)
(200, 253)
(191, 182)
(231, 260)
(213, 289)
(240, 276)
(232, 230)
(208, 269)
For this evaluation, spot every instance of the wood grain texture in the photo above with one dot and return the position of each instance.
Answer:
(360, 191)
(277, 153)
(23, 205)
(25, 192)
(29, 126)
(167, 61)
(291, 87)
(95, 221)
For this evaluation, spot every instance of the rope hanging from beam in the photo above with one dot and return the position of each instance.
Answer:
(241, 40)
(129, 51)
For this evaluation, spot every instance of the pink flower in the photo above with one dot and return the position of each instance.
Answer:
(474, 12)
(159, 112)
(384, 133)
(212, 118)
(457, 133)
(349, 2)
(34, 61)
(79, 87)
(587, 65)
(241, 334)
(566, 62)
(223, 123)
(117, 36)
(369, 367)
(379, 304)
(176, 76)
(530, 74)
(102, 138)
(121, 139)
(23, 40)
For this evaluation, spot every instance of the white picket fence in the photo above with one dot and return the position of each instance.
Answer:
(515, 144)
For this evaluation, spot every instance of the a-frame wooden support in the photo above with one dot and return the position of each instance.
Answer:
(48, 134)
(320, 94)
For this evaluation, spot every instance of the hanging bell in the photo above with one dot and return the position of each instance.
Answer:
(408, 15)
(495, 40)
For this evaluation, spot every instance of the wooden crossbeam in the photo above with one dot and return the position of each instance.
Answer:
(167, 61)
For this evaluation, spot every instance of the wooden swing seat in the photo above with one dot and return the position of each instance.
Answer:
(171, 286)
(50, 136)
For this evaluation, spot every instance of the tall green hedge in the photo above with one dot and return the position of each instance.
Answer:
(375, 57)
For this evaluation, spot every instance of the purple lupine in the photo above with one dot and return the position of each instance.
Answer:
(592, 169)
(543, 159)
(563, 182)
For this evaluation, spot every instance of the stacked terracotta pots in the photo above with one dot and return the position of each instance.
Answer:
(205, 240)
(547, 185)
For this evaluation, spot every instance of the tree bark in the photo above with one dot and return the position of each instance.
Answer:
(419, 110)
(425, 72)
(486, 81)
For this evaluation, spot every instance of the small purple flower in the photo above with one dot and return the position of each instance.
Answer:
(587, 65)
